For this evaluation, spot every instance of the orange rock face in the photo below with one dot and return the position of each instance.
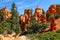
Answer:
(39, 16)
(52, 23)
(58, 8)
(43, 19)
(54, 8)
(25, 18)
(6, 12)
(28, 14)
(23, 22)
(37, 13)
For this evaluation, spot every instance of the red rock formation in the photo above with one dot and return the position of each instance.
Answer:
(52, 9)
(58, 23)
(6, 12)
(52, 23)
(58, 8)
(42, 19)
(25, 19)
(23, 22)
(39, 16)
(28, 14)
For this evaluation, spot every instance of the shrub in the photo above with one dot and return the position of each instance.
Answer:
(57, 16)
(17, 28)
(8, 27)
(45, 36)
(47, 16)
(33, 27)
(58, 31)
(36, 27)
(43, 27)
(2, 30)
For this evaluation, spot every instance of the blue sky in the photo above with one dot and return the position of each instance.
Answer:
(28, 4)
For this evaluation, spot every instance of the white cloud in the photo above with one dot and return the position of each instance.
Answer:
(19, 3)
(5, 1)
(24, 6)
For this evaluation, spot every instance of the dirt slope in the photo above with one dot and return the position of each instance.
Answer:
(57, 23)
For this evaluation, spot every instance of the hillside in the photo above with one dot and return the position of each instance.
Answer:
(58, 23)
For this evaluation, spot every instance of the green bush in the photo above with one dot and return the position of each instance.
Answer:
(33, 27)
(58, 31)
(2, 30)
(5, 27)
(36, 26)
(17, 28)
(47, 16)
(57, 16)
(45, 36)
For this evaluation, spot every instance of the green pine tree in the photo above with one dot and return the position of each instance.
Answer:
(57, 16)
(14, 18)
(1, 22)
(43, 11)
(47, 15)
(32, 15)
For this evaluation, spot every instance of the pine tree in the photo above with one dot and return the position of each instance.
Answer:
(57, 16)
(14, 18)
(2, 22)
(32, 15)
(43, 11)
(47, 16)
(2, 16)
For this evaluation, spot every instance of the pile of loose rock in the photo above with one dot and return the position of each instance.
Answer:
(13, 37)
